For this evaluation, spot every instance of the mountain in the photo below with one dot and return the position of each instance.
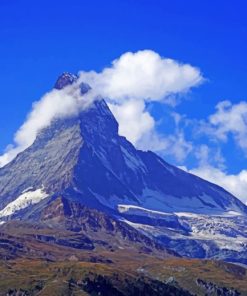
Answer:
(81, 176)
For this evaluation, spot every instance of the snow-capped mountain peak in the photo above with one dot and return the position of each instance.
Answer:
(84, 160)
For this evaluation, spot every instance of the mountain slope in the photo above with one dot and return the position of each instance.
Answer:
(83, 160)
(122, 277)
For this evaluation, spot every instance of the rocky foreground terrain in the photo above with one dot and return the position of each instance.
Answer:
(41, 260)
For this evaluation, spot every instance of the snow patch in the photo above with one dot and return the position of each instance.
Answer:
(24, 200)
(139, 211)
(167, 167)
(133, 161)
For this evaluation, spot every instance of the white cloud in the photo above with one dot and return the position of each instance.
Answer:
(130, 82)
(137, 78)
(174, 145)
(229, 119)
(139, 127)
(143, 75)
(133, 120)
(236, 184)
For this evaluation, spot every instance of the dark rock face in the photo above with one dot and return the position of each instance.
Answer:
(64, 80)
(15, 292)
(68, 79)
(77, 242)
(81, 219)
(212, 289)
(102, 285)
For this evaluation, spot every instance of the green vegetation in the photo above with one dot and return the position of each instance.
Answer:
(142, 275)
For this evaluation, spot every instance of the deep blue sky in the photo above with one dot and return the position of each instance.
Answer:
(41, 39)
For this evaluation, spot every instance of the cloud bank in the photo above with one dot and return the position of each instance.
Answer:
(132, 80)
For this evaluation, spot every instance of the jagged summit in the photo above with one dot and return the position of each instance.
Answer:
(83, 160)
(65, 79)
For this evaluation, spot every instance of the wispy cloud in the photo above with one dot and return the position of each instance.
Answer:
(229, 119)
(234, 183)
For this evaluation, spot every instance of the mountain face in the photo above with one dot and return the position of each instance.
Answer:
(83, 161)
